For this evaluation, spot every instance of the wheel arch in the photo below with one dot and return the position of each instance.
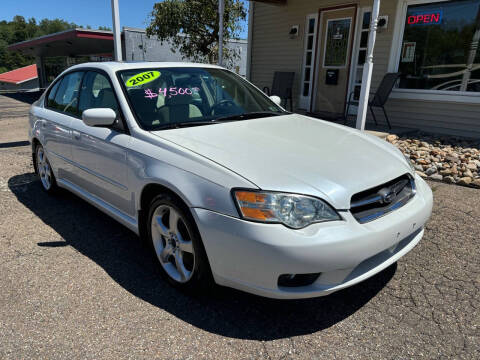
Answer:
(148, 192)
(35, 142)
(155, 188)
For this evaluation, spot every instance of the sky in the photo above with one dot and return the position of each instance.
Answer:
(133, 13)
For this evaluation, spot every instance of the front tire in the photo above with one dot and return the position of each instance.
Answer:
(177, 246)
(44, 170)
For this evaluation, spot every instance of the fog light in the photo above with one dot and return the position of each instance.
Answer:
(295, 280)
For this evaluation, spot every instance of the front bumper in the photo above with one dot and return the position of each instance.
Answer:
(251, 256)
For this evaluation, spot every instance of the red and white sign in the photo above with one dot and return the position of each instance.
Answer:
(426, 18)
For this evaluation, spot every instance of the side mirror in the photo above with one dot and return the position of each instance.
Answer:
(276, 99)
(99, 117)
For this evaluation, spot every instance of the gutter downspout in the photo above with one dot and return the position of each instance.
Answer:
(250, 37)
(367, 69)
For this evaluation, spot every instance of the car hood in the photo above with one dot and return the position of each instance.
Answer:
(297, 154)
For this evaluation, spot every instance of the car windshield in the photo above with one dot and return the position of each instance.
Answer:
(173, 97)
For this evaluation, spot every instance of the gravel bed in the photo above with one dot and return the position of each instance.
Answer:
(442, 158)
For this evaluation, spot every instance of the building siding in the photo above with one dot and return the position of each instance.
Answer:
(273, 50)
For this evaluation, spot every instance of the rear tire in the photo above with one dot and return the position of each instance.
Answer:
(44, 170)
(176, 245)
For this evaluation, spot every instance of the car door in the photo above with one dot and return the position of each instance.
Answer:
(99, 153)
(56, 117)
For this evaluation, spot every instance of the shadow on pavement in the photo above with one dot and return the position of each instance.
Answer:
(13, 144)
(227, 312)
(26, 97)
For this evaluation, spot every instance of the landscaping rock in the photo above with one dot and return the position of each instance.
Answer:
(449, 179)
(465, 180)
(391, 137)
(431, 170)
(450, 159)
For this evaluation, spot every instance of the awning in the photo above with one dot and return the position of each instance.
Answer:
(74, 42)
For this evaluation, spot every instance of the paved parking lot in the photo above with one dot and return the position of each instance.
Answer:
(76, 284)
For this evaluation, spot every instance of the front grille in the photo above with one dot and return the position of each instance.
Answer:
(373, 203)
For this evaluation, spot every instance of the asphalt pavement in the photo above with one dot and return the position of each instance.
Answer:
(76, 284)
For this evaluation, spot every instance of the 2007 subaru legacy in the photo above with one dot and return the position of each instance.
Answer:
(225, 185)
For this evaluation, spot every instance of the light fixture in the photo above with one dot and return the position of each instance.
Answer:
(293, 31)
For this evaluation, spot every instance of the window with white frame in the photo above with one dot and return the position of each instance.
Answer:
(361, 51)
(308, 60)
(440, 48)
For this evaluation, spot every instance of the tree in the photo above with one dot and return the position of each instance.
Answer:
(191, 27)
(48, 26)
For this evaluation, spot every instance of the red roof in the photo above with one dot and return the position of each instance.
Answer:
(20, 75)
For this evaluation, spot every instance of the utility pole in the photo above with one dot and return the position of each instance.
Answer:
(221, 8)
(367, 69)
(117, 42)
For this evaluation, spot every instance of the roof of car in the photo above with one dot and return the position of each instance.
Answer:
(125, 65)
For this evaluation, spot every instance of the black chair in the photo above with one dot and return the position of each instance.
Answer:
(282, 87)
(378, 99)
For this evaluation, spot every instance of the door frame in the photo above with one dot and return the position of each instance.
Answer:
(319, 36)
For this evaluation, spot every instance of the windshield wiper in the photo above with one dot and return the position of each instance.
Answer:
(228, 118)
(251, 115)
(184, 124)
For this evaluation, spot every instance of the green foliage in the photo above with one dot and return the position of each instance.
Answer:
(191, 27)
(20, 30)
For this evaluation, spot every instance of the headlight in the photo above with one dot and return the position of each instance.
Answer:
(295, 211)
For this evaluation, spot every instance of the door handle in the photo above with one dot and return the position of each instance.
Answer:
(77, 135)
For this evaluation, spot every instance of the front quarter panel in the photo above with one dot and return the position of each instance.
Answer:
(199, 182)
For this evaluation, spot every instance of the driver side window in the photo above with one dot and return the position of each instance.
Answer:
(98, 93)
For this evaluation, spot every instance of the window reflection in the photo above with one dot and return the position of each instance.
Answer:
(440, 47)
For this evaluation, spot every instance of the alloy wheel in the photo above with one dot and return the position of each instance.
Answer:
(172, 240)
(44, 169)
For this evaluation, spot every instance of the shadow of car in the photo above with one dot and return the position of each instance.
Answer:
(226, 312)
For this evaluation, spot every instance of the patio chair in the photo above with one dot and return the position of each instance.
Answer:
(378, 99)
(282, 87)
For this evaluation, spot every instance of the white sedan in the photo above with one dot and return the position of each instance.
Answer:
(224, 184)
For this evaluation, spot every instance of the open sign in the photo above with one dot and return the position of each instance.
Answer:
(425, 18)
